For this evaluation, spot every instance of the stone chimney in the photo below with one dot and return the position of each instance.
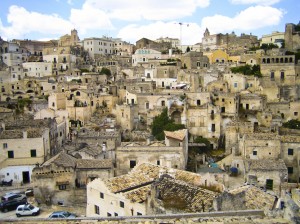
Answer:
(25, 134)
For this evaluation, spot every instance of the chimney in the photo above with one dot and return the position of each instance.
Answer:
(24, 134)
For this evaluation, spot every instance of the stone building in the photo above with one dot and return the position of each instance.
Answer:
(232, 43)
(172, 153)
(233, 130)
(252, 102)
(59, 179)
(148, 189)
(203, 120)
(275, 37)
(156, 45)
(291, 37)
(143, 55)
(244, 198)
(260, 146)
(21, 150)
(269, 174)
(283, 69)
(290, 147)
(194, 60)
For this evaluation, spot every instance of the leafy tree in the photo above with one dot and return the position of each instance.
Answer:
(163, 123)
(247, 70)
(105, 71)
(292, 124)
(203, 140)
(84, 70)
(268, 46)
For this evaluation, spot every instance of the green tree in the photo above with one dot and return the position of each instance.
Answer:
(247, 70)
(188, 49)
(292, 124)
(203, 140)
(105, 71)
(163, 123)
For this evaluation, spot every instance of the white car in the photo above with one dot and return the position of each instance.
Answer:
(27, 209)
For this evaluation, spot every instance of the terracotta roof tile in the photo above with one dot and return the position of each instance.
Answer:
(179, 135)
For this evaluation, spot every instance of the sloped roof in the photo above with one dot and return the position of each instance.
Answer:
(183, 196)
(267, 164)
(179, 135)
(61, 159)
(146, 173)
(255, 198)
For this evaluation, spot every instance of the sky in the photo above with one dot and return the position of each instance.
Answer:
(132, 20)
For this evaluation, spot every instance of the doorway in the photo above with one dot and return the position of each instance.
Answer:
(269, 184)
(26, 177)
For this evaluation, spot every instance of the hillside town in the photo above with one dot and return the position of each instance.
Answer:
(105, 129)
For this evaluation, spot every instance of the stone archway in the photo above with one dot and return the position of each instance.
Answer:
(176, 116)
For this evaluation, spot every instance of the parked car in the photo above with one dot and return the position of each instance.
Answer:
(6, 183)
(62, 215)
(27, 209)
(29, 192)
(6, 206)
(13, 197)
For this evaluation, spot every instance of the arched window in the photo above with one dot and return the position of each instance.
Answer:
(77, 93)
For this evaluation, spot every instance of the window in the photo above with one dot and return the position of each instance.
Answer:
(97, 210)
(138, 213)
(5, 145)
(10, 154)
(147, 105)
(213, 127)
(116, 214)
(158, 162)
(272, 76)
(62, 187)
(282, 75)
(53, 87)
(101, 195)
(198, 102)
(254, 153)
(163, 103)
(290, 170)
(295, 113)
(235, 85)
(108, 214)
(290, 152)
(132, 163)
(223, 100)
(121, 204)
(33, 152)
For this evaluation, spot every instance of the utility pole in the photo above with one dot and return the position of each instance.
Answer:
(181, 24)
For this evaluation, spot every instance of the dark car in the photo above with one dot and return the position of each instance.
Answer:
(6, 206)
(62, 215)
(13, 197)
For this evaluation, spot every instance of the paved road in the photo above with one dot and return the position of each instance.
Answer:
(12, 214)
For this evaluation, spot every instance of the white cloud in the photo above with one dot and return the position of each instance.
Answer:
(190, 34)
(89, 18)
(250, 19)
(70, 2)
(23, 22)
(258, 2)
(135, 10)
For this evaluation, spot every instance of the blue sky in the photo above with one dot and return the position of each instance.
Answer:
(134, 19)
